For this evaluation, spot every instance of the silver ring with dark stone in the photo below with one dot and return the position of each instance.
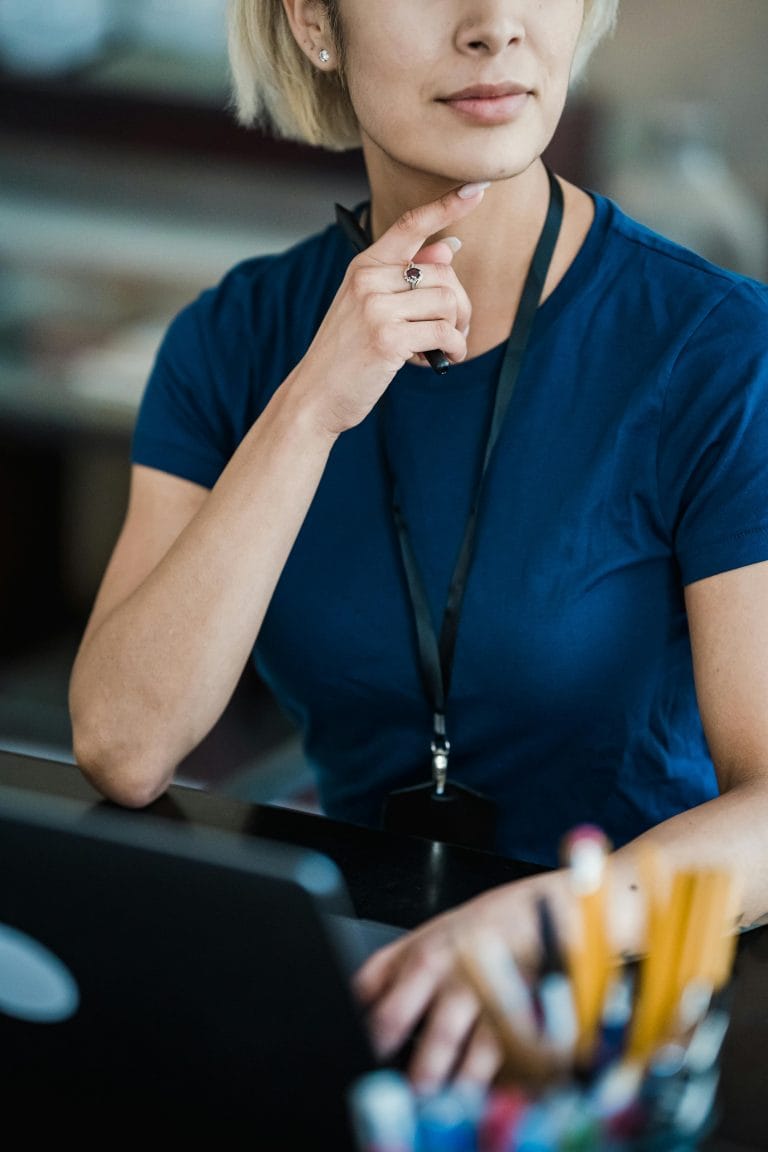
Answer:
(413, 275)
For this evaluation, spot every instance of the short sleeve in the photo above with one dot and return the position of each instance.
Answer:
(181, 427)
(713, 445)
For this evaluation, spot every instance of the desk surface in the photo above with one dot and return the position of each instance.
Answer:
(402, 880)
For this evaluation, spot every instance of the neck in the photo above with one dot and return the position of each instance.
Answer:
(498, 239)
(512, 208)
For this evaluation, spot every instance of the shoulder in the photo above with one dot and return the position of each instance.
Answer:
(674, 280)
(227, 351)
(645, 289)
(238, 339)
(291, 289)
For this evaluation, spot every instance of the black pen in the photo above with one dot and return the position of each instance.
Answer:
(357, 237)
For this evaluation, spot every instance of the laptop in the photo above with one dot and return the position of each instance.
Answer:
(165, 979)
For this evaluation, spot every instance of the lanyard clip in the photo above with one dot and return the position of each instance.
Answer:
(440, 748)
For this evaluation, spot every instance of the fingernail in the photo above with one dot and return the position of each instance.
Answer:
(465, 331)
(453, 242)
(469, 190)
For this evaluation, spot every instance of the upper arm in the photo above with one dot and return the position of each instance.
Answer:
(728, 620)
(159, 508)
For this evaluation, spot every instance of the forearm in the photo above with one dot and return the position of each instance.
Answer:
(155, 674)
(727, 832)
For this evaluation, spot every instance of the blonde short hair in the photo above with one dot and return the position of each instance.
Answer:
(275, 85)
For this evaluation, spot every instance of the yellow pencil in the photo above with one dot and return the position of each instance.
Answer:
(657, 987)
(654, 886)
(585, 851)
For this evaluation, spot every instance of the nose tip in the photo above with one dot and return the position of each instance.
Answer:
(490, 37)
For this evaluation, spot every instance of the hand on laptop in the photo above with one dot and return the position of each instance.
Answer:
(415, 995)
(417, 991)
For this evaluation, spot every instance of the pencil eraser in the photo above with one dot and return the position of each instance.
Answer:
(588, 837)
(586, 832)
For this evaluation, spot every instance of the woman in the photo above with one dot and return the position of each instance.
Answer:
(301, 472)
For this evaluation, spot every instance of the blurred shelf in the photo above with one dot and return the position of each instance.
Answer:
(143, 71)
(100, 247)
(175, 112)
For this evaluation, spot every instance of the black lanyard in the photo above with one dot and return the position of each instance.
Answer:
(436, 658)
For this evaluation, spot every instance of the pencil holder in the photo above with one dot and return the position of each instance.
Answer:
(599, 1054)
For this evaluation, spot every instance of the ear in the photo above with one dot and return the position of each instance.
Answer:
(311, 29)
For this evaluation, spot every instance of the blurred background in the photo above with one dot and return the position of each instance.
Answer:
(126, 187)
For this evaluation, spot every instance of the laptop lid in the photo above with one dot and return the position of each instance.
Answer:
(172, 978)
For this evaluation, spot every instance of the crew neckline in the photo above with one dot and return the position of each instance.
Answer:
(478, 368)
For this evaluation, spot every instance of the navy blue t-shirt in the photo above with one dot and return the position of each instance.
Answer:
(633, 460)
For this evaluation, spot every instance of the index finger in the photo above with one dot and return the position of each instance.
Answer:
(403, 239)
(375, 973)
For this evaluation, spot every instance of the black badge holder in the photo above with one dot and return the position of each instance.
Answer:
(442, 810)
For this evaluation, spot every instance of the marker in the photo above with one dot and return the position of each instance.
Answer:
(577, 1130)
(537, 1130)
(448, 1119)
(560, 1026)
(614, 1100)
(359, 240)
(382, 1107)
(663, 1084)
(615, 1020)
(704, 1046)
(696, 1108)
(694, 1003)
(503, 1113)
(557, 1122)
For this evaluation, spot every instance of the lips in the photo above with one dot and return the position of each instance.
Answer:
(487, 92)
(489, 103)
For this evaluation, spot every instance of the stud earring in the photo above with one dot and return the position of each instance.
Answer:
(324, 55)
